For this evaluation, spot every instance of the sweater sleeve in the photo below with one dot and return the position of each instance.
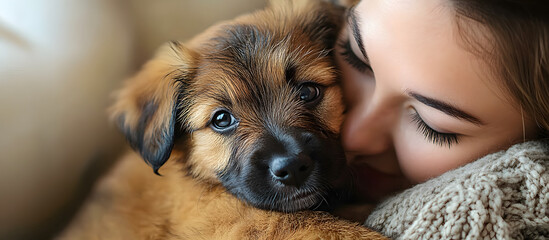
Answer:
(504, 195)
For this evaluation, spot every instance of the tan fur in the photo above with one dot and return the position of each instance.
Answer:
(187, 201)
(132, 203)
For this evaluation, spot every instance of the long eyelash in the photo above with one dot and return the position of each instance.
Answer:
(351, 58)
(432, 135)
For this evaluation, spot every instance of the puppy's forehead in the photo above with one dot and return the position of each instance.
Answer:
(250, 57)
(257, 68)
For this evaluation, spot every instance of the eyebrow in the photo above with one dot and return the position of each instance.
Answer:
(445, 108)
(355, 28)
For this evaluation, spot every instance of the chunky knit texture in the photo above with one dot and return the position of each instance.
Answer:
(504, 195)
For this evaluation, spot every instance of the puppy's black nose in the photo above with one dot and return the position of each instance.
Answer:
(291, 170)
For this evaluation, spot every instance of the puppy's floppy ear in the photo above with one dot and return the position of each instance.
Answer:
(146, 107)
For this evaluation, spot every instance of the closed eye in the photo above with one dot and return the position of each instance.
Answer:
(436, 137)
(350, 57)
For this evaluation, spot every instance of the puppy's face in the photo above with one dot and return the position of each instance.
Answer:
(253, 104)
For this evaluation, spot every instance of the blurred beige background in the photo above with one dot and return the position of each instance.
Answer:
(59, 62)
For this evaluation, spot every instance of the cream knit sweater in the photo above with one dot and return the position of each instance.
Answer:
(504, 195)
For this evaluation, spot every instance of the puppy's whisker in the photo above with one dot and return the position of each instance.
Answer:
(272, 199)
(319, 204)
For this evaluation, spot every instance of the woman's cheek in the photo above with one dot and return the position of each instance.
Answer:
(420, 159)
(411, 160)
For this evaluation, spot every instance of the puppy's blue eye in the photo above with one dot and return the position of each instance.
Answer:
(309, 92)
(223, 119)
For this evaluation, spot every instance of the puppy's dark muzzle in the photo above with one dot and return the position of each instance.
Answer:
(290, 169)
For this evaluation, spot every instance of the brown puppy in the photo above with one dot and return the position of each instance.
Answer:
(243, 119)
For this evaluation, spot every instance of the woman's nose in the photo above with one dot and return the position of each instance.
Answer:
(367, 129)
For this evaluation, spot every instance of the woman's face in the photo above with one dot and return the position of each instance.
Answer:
(420, 103)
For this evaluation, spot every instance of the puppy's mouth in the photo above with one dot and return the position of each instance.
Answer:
(299, 200)
(302, 195)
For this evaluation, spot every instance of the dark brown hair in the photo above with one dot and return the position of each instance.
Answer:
(518, 33)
